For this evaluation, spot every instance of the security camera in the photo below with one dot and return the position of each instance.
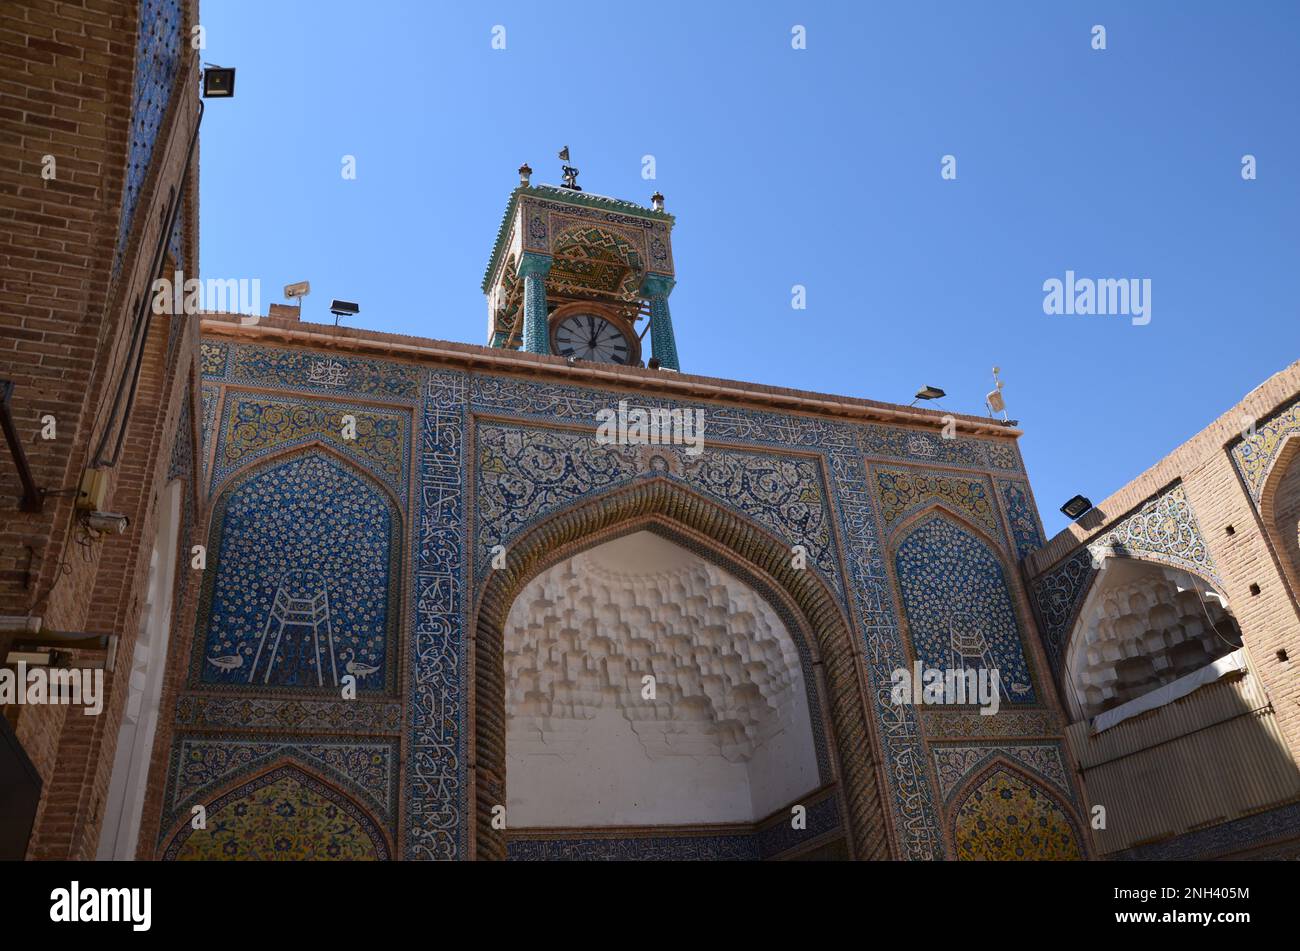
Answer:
(107, 523)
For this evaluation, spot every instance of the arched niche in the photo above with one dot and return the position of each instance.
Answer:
(1279, 509)
(741, 547)
(304, 588)
(1002, 814)
(647, 686)
(285, 813)
(1142, 625)
(959, 611)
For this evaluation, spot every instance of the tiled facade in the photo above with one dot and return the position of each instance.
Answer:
(329, 681)
(494, 457)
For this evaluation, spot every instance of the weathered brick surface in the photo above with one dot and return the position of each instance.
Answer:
(1280, 513)
(66, 73)
(1258, 552)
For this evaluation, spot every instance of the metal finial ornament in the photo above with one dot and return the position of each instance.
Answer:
(994, 399)
(657, 201)
(524, 173)
(570, 173)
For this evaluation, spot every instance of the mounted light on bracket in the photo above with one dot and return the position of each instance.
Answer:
(107, 523)
(928, 393)
(343, 308)
(1076, 508)
(50, 648)
(218, 82)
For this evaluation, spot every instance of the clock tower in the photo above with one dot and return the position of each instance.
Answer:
(582, 276)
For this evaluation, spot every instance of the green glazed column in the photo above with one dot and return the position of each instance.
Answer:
(656, 288)
(533, 269)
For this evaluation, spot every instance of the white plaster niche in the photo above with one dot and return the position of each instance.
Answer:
(1142, 627)
(727, 737)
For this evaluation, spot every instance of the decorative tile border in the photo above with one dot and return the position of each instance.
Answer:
(770, 841)
(209, 393)
(324, 373)
(906, 491)
(1164, 529)
(1022, 516)
(1008, 724)
(1055, 595)
(524, 472)
(739, 847)
(438, 811)
(213, 358)
(203, 762)
(257, 425)
(918, 446)
(1255, 454)
(1044, 760)
(277, 715)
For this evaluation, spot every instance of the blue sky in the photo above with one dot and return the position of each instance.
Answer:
(818, 167)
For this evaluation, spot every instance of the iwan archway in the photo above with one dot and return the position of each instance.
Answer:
(736, 752)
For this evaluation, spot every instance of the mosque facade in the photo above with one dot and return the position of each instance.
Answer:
(555, 597)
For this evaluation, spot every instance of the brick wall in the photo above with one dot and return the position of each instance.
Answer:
(66, 73)
(1250, 556)
(1281, 516)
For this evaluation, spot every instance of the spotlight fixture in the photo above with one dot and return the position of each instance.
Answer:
(50, 648)
(218, 82)
(930, 393)
(1076, 508)
(298, 290)
(107, 523)
(343, 308)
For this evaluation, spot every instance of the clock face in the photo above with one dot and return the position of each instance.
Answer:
(591, 337)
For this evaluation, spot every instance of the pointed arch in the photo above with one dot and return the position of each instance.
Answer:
(953, 514)
(589, 254)
(1279, 508)
(1151, 610)
(736, 544)
(239, 475)
(1001, 812)
(958, 604)
(305, 538)
(284, 811)
(281, 424)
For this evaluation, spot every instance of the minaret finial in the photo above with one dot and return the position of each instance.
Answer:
(524, 172)
(570, 173)
(657, 201)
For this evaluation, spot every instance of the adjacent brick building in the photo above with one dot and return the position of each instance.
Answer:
(1200, 547)
(98, 112)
